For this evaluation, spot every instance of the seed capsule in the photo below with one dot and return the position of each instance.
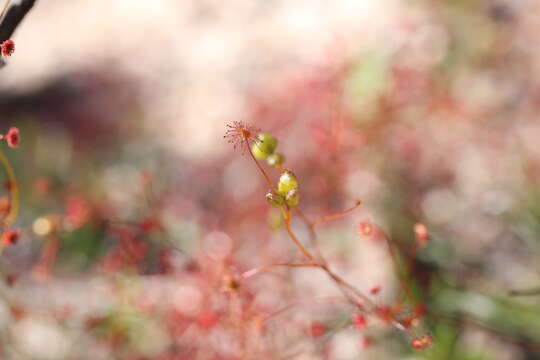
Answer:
(264, 146)
(287, 182)
(276, 160)
(275, 199)
(293, 197)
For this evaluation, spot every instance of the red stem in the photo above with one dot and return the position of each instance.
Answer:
(266, 177)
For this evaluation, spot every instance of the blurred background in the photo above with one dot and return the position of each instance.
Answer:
(136, 214)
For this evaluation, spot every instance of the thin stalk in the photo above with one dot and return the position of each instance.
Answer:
(307, 254)
(258, 270)
(402, 280)
(330, 299)
(336, 215)
(314, 242)
(266, 177)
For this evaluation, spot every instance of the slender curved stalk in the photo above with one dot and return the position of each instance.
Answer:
(266, 177)
(335, 216)
(307, 254)
(258, 270)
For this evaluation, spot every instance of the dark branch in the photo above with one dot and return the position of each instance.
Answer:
(12, 16)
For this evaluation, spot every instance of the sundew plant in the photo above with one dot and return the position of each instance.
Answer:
(255, 180)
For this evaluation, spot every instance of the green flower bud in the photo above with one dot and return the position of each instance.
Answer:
(264, 146)
(287, 182)
(275, 199)
(276, 160)
(293, 197)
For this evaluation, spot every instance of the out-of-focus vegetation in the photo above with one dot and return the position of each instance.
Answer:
(139, 222)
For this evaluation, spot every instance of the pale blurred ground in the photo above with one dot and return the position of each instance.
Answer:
(197, 59)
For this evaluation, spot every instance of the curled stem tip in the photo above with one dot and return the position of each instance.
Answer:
(338, 215)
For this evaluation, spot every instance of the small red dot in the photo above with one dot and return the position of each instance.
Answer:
(365, 228)
(359, 321)
(8, 48)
